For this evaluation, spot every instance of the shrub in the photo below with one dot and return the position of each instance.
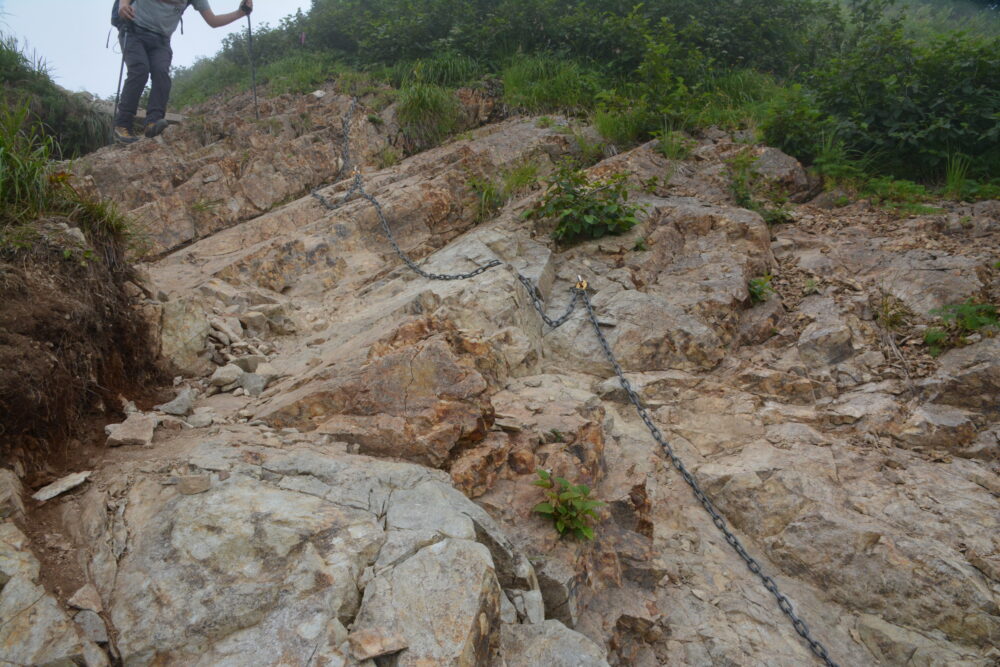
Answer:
(568, 505)
(584, 209)
(427, 113)
(796, 124)
(916, 104)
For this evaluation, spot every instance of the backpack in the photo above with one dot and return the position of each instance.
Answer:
(117, 21)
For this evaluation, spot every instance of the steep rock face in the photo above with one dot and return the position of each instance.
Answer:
(828, 448)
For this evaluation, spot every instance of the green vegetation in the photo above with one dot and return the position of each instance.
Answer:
(672, 144)
(427, 113)
(568, 505)
(960, 320)
(387, 157)
(31, 188)
(583, 209)
(72, 120)
(760, 288)
(749, 191)
(491, 196)
(860, 90)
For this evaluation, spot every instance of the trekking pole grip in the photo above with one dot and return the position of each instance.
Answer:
(245, 8)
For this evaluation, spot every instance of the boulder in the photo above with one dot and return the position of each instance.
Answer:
(444, 602)
(938, 426)
(825, 342)
(251, 569)
(549, 643)
(184, 333)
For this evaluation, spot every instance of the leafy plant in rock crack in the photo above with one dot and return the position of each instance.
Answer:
(760, 288)
(960, 320)
(569, 506)
(585, 209)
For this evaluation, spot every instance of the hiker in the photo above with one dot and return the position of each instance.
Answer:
(145, 41)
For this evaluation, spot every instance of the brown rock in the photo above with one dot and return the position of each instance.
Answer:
(522, 461)
(373, 642)
(190, 485)
(475, 470)
(87, 597)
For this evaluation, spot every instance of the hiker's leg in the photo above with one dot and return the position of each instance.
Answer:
(160, 58)
(137, 62)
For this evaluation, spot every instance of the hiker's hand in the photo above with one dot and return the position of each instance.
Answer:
(246, 7)
(127, 12)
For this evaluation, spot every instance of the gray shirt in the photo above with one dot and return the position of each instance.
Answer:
(162, 16)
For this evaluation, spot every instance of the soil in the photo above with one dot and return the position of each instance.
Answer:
(70, 345)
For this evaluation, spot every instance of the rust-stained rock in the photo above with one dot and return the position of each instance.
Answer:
(474, 471)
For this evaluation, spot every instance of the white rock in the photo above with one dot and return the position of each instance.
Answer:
(61, 486)
(137, 430)
(226, 375)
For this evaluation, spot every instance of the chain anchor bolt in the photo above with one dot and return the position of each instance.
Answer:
(581, 284)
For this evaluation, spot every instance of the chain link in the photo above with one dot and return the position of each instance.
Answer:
(580, 294)
(537, 303)
(359, 187)
(752, 564)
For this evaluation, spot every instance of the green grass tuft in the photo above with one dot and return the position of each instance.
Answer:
(427, 113)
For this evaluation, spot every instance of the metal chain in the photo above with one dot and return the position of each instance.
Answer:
(359, 187)
(537, 303)
(752, 564)
(580, 293)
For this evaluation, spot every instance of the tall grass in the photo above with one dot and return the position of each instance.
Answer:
(30, 188)
(624, 127)
(25, 153)
(75, 123)
(445, 69)
(956, 173)
(427, 113)
(298, 73)
(544, 83)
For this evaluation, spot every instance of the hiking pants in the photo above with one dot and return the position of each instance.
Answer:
(147, 55)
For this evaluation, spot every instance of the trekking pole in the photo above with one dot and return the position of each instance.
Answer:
(253, 66)
(118, 95)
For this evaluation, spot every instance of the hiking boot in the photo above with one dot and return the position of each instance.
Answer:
(154, 129)
(124, 135)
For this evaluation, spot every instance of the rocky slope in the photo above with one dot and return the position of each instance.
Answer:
(344, 476)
